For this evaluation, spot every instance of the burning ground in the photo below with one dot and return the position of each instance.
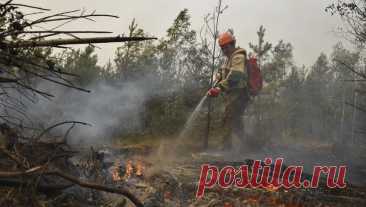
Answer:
(164, 182)
(160, 174)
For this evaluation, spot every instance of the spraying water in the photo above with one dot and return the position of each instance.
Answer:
(183, 134)
(164, 149)
(192, 118)
(194, 115)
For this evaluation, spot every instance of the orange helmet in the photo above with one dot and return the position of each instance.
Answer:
(226, 38)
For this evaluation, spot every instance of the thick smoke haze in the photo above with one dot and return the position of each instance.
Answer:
(109, 109)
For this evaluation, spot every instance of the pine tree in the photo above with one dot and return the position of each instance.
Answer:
(262, 48)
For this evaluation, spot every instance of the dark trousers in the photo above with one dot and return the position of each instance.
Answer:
(236, 102)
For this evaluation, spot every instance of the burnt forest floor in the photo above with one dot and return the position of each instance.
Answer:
(172, 170)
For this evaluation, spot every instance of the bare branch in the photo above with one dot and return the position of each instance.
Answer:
(58, 42)
(45, 188)
(351, 69)
(84, 184)
(7, 80)
(31, 171)
(28, 6)
(57, 125)
(71, 17)
(61, 32)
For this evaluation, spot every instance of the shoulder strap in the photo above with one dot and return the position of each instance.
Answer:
(239, 51)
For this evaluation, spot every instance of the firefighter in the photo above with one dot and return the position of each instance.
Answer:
(232, 83)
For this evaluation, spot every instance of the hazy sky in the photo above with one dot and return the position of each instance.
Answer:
(304, 23)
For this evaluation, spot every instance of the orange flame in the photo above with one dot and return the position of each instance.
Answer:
(139, 168)
(129, 170)
(132, 169)
(115, 171)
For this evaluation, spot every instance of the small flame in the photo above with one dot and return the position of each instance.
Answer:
(139, 168)
(115, 171)
(129, 170)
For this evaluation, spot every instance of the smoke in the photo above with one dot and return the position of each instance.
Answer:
(110, 109)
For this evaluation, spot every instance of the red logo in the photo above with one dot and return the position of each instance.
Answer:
(268, 175)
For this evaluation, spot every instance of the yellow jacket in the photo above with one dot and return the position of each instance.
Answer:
(233, 73)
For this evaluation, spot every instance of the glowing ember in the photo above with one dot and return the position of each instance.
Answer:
(271, 188)
(252, 201)
(168, 195)
(227, 204)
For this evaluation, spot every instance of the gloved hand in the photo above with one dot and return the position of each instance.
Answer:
(214, 92)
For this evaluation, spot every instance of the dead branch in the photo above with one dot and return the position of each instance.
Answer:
(32, 63)
(51, 18)
(72, 17)
(7, 80)
(31, 171)
(44, 188)
(351, 69)
(68, 132)
(84, 184)
(42, 93)
(95, 186)
(58, 42)
(68, 17)
(65, 31)
(57, 125)
(29, 6)
(56, 81)
(12, 157)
